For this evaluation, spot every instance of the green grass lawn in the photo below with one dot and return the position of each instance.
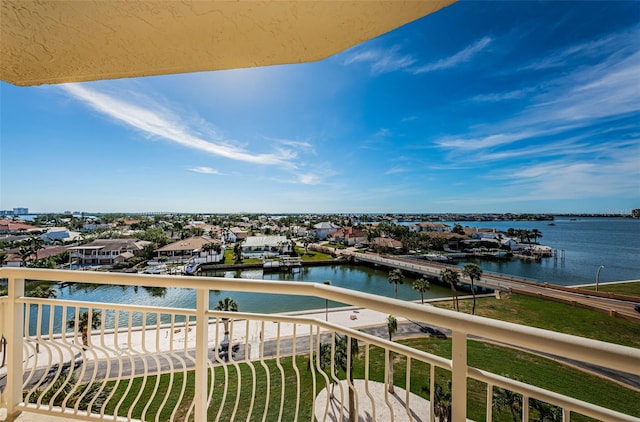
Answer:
(555, 316)
(631, 289)
(516, 364)
(312, 255)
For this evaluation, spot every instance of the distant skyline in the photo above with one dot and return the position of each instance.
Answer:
(524, 107)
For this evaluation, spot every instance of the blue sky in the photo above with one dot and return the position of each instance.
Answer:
(480, 107)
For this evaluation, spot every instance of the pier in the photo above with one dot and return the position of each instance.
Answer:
(283, 264)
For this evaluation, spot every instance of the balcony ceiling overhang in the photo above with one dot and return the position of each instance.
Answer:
(57, 41)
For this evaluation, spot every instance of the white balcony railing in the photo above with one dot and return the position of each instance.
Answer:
(149, 363)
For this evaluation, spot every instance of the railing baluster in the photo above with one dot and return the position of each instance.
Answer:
(458, 375)
(366, 381)
(489, 402)
(407, 383)
(14, 347)
(202, 340)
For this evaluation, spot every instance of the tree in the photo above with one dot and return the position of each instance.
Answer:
(341, 361)
(442, 400)
(228, 305)
(535, 233)
(421, 285)
(458, 229)
(237, 253)
(452, 278)
(392, 328)
(84, 324)
(546, 412)
(474, 272)
(395, 278)
(36, 244)
(149, 250)
(504, 399)
(3, 258)
(25, 253)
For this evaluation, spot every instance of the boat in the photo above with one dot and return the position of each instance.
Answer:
(158, 269)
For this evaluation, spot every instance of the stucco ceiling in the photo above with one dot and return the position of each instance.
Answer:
(55, 41)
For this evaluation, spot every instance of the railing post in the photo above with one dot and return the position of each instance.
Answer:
(458, 376)
(202, 352)
(14, 332)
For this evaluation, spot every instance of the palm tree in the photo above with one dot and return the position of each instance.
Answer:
(442, 406)
(474, 272)
(25, 252)
(535, 233)
(228, 305)
(36, 244)
(421, 285)
(452, 277)
(237, 253)
(83, 324)
(546, 412)
(340, 360)
(507, 399)
(395, 278)
(392, 328)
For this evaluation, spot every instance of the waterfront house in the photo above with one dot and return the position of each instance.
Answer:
(387, 243)
(261, 246)
(235, 234)
(105, 251)
(16, 227)
(324, 229)
(59, 234)
(192, 247)
(348, 236)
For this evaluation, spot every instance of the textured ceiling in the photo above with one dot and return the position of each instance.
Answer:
(55, 41)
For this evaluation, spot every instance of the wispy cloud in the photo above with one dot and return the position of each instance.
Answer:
(564, 141)
(396, 170)
(504, 96)
(299, 145)
(381, 60)
(580, 101)
(460, 57)
(156, 121)
(204, 170)
(390, 60)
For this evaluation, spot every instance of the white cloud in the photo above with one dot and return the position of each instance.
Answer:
(395, 170)
(204, 170)
(155, 121)
(381, 61)
(460, 57)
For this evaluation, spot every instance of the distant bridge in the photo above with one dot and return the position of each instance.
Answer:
(614, 304)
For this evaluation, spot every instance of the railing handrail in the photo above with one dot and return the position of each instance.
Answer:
(622, 358)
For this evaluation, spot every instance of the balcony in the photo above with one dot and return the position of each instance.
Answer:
(90, 360)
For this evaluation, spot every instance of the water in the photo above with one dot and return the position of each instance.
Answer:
(351, 277)
(587, 244)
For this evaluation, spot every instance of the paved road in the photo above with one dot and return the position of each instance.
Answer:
(622, 308)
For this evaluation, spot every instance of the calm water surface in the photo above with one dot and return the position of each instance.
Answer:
(587, 244)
